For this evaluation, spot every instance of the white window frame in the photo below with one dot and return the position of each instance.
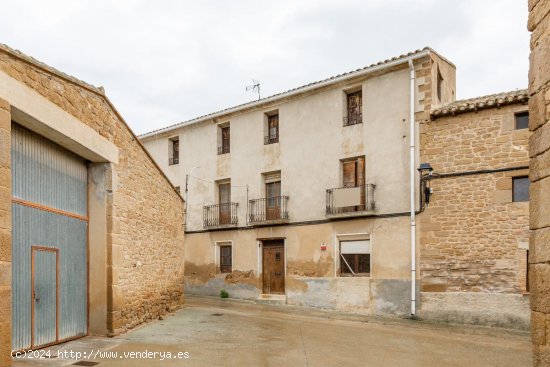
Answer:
(217, 259)
(342, 237)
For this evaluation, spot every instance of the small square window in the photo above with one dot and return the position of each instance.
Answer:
(520, 189)
(522, 120)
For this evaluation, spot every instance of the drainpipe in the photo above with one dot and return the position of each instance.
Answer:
(412, 179)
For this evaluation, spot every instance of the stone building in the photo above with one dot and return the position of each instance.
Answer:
(91, 231)
(475, 230)
(304, 197)
(539, 151)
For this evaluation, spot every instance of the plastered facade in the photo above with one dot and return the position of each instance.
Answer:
(312, 144)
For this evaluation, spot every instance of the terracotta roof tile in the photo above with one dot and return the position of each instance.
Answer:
(483, 102)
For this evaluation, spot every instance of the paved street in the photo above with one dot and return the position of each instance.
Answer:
(218, 332)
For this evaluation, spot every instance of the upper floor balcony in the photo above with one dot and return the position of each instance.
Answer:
(350, 201)
(220, 215)
(269, 210)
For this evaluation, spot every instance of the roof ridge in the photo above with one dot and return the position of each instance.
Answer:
(46, 67)
(295, 89)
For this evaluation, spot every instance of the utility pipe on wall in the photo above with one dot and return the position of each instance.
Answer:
(412, 180)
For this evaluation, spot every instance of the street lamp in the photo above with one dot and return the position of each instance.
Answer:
(426, 172)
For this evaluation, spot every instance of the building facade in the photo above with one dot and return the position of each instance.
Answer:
(91, 231)
(304, 197)
(539, 151)
(474, 232)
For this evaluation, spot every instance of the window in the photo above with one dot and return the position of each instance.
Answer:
(225, 259)
(520, 189)
(174, 151)
(355, 258)
(224, 146)
(439, 84)
(354, 113)
(272, 129)
(522, 120)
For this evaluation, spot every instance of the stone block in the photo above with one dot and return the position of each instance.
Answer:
(5, 274)
(539, 63)
(539, 245)
(539, 204)
(537, 13)
(539, 141)
(539, 112)
(504, 184)
(538, 329)
(539, 283)
(540, 166)
(502, 196)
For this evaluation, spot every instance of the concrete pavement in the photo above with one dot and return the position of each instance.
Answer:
(216, 332)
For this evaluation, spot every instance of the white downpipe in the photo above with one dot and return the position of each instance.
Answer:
(413, 200)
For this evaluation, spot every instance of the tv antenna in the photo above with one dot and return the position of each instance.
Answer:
(255, 88)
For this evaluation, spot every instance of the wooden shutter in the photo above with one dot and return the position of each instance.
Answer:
(355, 106)
(349, 173)
(224, 193)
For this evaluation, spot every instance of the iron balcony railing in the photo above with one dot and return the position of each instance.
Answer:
(268, 209)
(223, 149)
(353, 119)
(349, 200)
(220, 215)
(173, 160)
(270, 139)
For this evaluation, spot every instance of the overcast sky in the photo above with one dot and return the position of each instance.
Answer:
(162, 62)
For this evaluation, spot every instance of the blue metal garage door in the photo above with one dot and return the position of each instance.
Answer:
(49, 245)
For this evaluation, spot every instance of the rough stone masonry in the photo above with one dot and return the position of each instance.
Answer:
(539, 152)
(144, 214)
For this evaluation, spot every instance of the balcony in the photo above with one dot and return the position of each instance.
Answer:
(173, 160)
(267, 211)
(220, 215)
(353, 119)
(271, 139)
(350, 201)
(223, 149)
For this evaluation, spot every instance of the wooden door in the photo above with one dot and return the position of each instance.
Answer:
(273, 205)
(224, 191)
(273, 268)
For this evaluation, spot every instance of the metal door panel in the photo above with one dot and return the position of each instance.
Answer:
(49, 209)
(44, 296)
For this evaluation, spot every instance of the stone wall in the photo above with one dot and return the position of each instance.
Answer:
(473, 238)
(539, 151)
(144, 212)
(5, 233)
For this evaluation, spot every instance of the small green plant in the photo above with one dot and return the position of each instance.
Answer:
(224, 294)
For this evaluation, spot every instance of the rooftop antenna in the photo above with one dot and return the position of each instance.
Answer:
(255, 88)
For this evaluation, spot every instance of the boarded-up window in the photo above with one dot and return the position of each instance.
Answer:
(225, 259)
(355, 257)
(354, 108)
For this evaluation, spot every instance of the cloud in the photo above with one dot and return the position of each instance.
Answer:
(168, 61)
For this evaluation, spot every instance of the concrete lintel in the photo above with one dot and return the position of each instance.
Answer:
(35, 112)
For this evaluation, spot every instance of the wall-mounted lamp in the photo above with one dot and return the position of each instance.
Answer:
(425, 170)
